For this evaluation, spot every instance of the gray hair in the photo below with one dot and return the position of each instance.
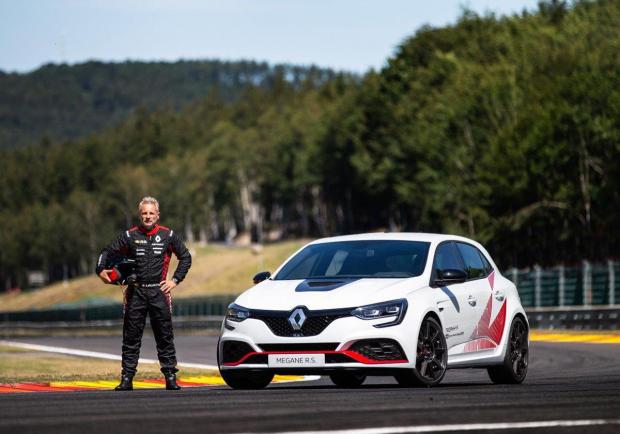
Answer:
(148, 199)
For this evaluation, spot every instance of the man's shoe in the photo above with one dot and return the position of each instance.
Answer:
(126, 383)
(171, 381)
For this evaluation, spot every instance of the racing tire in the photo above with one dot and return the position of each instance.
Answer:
(431, 357)
(514, 368)
(347, 379)
(247, 380)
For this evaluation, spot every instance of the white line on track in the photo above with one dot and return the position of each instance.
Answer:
(93, 354)
(108, 356)
(465, 427)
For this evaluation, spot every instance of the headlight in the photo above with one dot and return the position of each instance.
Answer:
(390, 309)
(237, 313)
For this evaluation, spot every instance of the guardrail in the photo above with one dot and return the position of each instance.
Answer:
(182, 307)
(575, 318)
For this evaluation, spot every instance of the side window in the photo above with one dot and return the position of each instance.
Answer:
(473, 262)
(446, 257)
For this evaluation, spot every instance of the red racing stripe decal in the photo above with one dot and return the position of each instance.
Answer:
(352, 354)
(491, 332)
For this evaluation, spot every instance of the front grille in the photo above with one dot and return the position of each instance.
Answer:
(232, 351)
(328, 346)
(312, 327)
(379, 349)
(315, 323)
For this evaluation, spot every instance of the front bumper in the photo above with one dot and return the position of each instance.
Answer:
(347, 344)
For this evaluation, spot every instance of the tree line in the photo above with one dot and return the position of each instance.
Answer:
(504, 129)
(65, 102)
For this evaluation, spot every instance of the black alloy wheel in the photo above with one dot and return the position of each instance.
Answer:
(246, 380)
(431, 357)
(347, 379)
(514, 368)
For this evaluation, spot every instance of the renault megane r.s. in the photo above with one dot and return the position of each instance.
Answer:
(408, 305)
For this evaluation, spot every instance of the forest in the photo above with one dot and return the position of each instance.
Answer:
(63, 102)
(505, 129)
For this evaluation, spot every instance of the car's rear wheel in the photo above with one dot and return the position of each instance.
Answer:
(514, 368)
(347, 379)
(246, 380)
(431, 357)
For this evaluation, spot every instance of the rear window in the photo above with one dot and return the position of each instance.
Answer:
(357, 259)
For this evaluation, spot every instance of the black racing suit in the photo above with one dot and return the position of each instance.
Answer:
(151, 250)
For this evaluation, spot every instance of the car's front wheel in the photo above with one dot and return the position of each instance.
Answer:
(246, 380)
(431, 357)
(514, 368)
(347, 379)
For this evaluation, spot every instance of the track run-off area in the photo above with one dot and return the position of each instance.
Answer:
(573, 385)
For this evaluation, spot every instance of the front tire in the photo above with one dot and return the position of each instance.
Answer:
(431, 357)
(246, 380)
(514, 368)
(347, 379)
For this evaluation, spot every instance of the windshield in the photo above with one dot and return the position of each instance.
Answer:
(357, 259)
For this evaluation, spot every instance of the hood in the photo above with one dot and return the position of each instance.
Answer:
(338, 293)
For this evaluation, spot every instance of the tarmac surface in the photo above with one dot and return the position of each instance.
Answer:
(566, 382)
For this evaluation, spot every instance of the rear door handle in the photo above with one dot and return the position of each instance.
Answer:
(471, 300)
(499, 295)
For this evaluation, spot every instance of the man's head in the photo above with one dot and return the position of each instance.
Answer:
(149, 212)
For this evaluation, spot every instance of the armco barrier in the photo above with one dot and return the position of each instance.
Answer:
(182, 307)
(575, 318)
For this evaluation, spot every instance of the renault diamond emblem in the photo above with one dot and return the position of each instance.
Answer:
(297, 319)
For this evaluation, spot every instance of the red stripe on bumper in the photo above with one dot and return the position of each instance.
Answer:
(352, 354)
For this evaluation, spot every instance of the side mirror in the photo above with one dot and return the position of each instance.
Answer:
(450, 277)
(259, 277)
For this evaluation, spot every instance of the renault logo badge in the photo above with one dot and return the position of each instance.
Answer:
(297, 319)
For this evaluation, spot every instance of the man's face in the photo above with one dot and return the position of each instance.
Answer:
(149, 215)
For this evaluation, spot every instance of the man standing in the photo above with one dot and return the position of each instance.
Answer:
(150, 245)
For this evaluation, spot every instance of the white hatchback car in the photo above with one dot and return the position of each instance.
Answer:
(408, 305)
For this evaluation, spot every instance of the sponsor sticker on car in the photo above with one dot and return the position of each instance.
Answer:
(296, 360)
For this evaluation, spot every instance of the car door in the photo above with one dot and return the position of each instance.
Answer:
(452, 299)
(485, 321)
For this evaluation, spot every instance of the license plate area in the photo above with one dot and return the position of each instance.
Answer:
(296, 360)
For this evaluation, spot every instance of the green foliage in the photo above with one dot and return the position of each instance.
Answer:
(64, 102)
(505, 129)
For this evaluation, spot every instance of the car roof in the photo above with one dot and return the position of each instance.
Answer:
(401, 236)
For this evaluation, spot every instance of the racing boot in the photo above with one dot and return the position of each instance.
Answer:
(126, 383)
(171, 381)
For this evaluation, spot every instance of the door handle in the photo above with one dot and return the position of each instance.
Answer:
(499, 295)
(441, 304)
(471, 300)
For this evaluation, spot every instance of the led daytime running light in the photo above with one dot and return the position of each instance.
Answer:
(237, 313)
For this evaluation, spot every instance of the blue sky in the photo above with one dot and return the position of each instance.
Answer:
(353, 35)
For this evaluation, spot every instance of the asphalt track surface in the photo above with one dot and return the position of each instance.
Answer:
(565, 382)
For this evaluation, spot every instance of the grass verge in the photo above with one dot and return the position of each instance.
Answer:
(215, 270)
(19, 365)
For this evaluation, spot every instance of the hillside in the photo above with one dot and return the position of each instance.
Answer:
(62, 102)
(215, 270)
